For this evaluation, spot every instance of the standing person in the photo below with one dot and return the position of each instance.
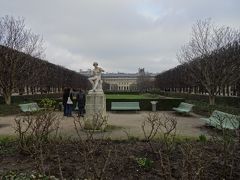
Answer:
(81, 100)
(64, 100)
(69, 102)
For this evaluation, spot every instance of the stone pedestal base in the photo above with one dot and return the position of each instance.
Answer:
(95, 108)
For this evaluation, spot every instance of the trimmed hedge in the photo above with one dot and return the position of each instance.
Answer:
(30, 98)
(164, 104)
(205, 109)
(122, 92)
(132, 96)
(6, 110)
(224, 100)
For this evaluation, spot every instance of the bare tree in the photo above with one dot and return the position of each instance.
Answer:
(212, 56)
(16, 42)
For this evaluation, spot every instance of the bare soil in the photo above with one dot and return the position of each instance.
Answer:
(118, 160)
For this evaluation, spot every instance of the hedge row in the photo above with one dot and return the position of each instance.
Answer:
(29, 98)
(223, 100)
(164, 104)
(122, 92)
(203, 108)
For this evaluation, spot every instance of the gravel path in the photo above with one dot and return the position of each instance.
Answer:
(126, 123)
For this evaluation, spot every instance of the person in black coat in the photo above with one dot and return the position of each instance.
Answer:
(81, 100)
(64, 100)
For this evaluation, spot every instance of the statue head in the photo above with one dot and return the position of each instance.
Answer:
(95, 64)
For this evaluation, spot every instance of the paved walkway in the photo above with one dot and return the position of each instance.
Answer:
(125, 123)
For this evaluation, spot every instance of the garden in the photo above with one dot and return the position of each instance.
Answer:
(200, 139)
(39, 150)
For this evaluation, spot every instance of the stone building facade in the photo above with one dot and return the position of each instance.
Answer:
(121, 81)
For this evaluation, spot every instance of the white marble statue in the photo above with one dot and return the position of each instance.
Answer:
(96, 80)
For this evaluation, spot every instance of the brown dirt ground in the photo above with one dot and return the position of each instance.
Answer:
(205, 161)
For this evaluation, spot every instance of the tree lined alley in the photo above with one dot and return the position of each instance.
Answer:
(21, 66)
(210, 62)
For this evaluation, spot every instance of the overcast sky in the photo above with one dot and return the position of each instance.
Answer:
(122, 35)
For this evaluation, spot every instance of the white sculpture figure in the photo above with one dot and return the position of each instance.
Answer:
(96, 80)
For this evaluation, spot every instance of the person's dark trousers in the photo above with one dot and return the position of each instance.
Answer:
(69, 109)
(65, 109)
(81, 110)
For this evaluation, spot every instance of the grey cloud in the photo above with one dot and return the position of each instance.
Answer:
(123, 34)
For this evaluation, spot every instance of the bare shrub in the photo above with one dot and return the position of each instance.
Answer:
(164, 127)
(161, 126)
(90, 138)
(193, 161)
(87, 127)
(95, 122)
(130, 136)
(35, 129)
(227, 142)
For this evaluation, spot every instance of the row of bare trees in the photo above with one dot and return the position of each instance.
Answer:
(210, 61)
(21, 65)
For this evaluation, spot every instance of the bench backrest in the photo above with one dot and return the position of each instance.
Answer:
(225, 118)
(29, 107)
(186, 106)
(125, 104)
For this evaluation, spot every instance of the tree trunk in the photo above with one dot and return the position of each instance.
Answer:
(212, 99)
(7, 98)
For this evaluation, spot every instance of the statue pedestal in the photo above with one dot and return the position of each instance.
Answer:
(95, 109)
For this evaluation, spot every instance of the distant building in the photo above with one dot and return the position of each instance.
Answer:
(85, 73)
(121, 81)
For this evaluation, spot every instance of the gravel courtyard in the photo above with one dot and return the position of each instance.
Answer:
(124, 122)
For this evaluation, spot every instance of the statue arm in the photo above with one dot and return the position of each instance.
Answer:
(101, 70)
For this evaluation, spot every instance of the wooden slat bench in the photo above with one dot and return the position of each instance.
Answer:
(125, 106)
(222, 120)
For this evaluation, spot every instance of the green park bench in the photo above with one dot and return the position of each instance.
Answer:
(222, 120)
(29, 107)
(184, 108)
(125, 106)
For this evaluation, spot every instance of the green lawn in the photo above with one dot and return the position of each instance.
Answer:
(132, 96)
